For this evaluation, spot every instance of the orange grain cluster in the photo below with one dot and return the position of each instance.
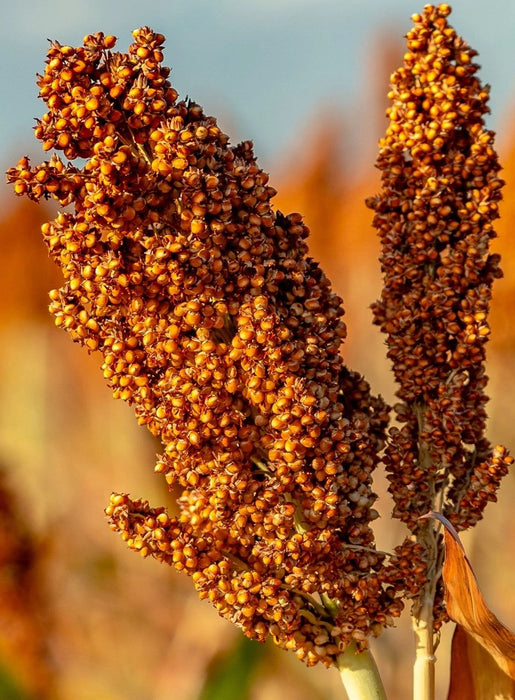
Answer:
(224, 336)
(434, 215)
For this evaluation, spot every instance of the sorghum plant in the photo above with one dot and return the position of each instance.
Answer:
(435, 213)
(216, 325)
(224, 336)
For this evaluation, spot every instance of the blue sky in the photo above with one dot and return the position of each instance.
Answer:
(264, 67)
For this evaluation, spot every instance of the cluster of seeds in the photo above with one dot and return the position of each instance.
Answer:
(224, 335)
(440, 194)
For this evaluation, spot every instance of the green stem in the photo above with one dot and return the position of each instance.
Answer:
(359, 674)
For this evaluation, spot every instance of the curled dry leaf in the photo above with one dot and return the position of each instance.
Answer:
(478, 630)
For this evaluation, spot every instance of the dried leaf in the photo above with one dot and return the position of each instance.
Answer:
(478, 630)
(475, 675)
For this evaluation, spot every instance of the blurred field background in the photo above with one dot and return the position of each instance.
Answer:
(81, 617)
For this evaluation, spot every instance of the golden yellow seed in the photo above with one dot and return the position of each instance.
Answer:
(63, 140)
(61, 124)
(115, 92)
(179, 163)
(20, 187)
(142, 52)
(92, 325)
(92, 103)
(158, 105)
(163, 519)
(197, 226)
(119, 157)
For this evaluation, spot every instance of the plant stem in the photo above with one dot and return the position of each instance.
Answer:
(424, 667)
(425, 659)
(359, 674)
